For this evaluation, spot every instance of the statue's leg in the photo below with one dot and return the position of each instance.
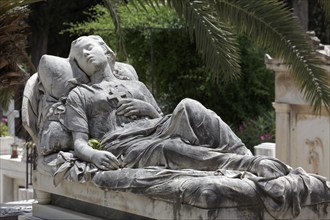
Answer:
(181, 156)
(200, 126)
(175, 153)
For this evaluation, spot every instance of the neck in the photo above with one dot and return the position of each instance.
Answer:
(105, 74)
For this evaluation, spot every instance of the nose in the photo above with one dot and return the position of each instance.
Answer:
(85, 52)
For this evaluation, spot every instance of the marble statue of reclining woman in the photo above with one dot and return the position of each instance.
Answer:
(124, 116)
(188, 157)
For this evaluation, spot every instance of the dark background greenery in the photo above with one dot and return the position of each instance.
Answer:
(159, 48)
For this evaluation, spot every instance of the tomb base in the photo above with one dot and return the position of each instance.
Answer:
(90, 202)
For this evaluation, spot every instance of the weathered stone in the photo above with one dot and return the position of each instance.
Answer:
(185, 165)
(302, 138)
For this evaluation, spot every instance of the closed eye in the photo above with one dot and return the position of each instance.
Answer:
(90, 47)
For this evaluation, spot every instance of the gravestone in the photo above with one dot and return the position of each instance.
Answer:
(184, 165)
(302, 138)
(7, 141)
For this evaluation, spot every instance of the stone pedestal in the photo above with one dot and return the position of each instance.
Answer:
(12, 177)
(302, 138)
(5, 145)
(265, 149)
(86, 201)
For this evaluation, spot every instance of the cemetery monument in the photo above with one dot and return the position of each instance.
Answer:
(103, 142)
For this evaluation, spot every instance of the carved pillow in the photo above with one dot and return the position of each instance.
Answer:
(59, 75)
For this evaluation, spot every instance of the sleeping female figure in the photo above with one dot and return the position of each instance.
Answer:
(124, 116)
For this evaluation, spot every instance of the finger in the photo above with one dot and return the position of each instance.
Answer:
(132, 112)
(123, 106)
(114, 165)
(103, 167)
(126, 110)
(113, 161)
(123, 101)
(109, 165)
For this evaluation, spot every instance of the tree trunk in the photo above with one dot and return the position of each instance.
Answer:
(39, 42)
(300, 9)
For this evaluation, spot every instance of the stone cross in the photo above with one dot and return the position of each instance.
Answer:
(115, 97)
(12, 114)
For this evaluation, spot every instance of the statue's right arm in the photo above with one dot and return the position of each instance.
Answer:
(102, 159)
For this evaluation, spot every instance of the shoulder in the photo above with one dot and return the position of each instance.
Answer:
(141, 87)
(140, 84)
(80, 94)
(75, 92)
(82, 89)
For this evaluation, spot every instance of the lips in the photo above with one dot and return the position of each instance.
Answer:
(89, 58)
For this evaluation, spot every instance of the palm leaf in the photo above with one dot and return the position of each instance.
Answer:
(6, 5)
(268, 23)
(271, 25)
(214, 39)
(13, 34)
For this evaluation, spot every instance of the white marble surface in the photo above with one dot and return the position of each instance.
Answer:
(5, 145)
(12, 176)
(157, 209)
(302, 138)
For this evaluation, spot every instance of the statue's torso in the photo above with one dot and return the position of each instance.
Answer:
(99, 103)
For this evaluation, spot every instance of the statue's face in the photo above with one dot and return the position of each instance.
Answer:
(89, 54)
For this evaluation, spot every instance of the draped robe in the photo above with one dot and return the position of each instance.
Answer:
(192, 137)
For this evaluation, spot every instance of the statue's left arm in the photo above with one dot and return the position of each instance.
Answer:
(134, 107)
(142, 108)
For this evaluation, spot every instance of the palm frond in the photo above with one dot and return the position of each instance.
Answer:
(8, 5)
(214, 40)
(268, 23)
(272, 26)
(13, 39)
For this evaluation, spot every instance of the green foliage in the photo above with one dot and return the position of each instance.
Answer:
(136, 18)
(270, 24)
(95, 144)
(175, 72)
(3, 128)
(168, 63)
(100, 22)
(259, 130)
(132, 18)
(235, 101)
